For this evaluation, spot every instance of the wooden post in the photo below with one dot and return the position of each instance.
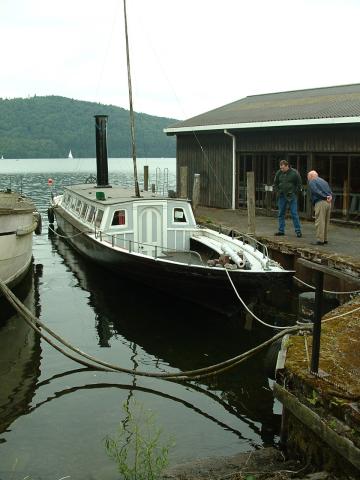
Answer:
(183, 182)
(250, 182)
(320, 271)
(346, 196)
(146, 178)
(319, 283)
(196, 191)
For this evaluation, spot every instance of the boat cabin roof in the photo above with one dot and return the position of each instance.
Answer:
(14, 202)
(115, 194)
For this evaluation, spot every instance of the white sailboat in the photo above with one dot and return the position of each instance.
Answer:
(70, 154)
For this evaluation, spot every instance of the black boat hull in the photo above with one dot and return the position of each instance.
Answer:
(209, 287)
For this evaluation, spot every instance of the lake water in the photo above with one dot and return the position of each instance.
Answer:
(55, 414)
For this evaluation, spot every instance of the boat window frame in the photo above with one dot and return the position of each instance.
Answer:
(119, 225)
(89, 219)
(66, 199)
(72, 203)
(78, 207)
(98, 210)
(83, 213)
(179, 222)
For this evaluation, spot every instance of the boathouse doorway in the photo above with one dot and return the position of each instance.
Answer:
(343, 174)
(264, 167)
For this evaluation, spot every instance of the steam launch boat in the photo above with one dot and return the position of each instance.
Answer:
(18, 220)
(155, 240)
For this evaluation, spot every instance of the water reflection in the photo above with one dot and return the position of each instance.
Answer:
(179, 337)
(20, 353)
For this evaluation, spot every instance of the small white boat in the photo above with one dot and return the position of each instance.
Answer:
(155, 240)
(18, 220)
(70, 155)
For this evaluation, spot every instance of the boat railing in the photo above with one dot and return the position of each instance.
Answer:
(156, 251)
(251, 241)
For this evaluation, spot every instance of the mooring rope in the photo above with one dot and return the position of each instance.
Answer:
(197, 374)
(248, 310)
(326, 291)
(66, 236)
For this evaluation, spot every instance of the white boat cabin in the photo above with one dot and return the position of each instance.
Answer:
(140, 224)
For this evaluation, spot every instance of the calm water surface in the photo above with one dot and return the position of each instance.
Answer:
(55, 414)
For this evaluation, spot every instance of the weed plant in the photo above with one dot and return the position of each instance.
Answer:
(136, 448)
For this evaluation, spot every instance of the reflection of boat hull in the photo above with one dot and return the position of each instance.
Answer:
(19, 358)
(191, 282)
(147, 326)
(17, 224)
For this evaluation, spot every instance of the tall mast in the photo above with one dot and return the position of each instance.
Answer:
(132, 118)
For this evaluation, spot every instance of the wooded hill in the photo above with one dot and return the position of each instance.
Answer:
(48, 127)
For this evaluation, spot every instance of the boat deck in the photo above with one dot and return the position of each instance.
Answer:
(187, 258)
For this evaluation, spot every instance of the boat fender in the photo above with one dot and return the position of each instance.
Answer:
(271, 357)
(38, 220)
(50, 214)
(233, 255)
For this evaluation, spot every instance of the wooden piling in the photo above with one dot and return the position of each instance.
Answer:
(250, 183)
(183, 182)
(146, 178)
(196, 191)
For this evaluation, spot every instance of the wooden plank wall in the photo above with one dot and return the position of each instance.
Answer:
(211, 157)
(314, 139)
(210, 153)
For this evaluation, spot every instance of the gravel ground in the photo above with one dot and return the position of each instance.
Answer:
(264, 464)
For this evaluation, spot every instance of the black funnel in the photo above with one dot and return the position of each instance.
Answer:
(102, 174)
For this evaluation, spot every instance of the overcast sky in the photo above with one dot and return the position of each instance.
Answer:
(187, 56)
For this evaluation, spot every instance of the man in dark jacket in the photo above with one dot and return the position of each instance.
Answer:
(287, 184)
(321, 197)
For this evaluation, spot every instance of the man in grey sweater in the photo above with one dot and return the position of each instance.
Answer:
(321, 197)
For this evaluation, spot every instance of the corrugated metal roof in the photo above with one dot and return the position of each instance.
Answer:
(295, 106)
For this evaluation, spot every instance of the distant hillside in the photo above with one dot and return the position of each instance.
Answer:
(48, 127)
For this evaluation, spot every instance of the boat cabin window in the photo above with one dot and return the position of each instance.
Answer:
(73, 202)
(66, 199)
(91, 215)
(179, 215)
(119, 217)
(98, 218)
(83, 210)
(78, 206)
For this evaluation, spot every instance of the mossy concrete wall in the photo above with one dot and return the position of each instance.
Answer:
(321, 423)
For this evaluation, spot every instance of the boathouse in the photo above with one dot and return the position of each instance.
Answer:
(313, 129)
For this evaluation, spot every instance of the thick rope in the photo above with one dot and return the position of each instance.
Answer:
(35, 323)
(340, 315)
(248, 310)
(67, 236)
(326, 291)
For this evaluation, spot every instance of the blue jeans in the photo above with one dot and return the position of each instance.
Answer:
(282, 204)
